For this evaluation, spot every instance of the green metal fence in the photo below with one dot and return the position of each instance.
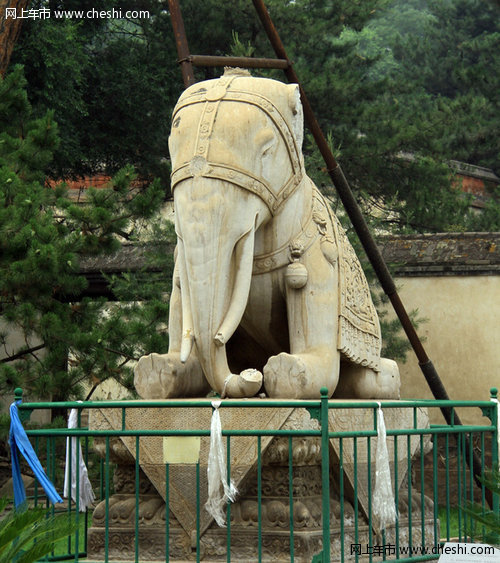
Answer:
(306, 490)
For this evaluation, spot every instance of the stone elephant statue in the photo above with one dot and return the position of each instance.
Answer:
(268, 294)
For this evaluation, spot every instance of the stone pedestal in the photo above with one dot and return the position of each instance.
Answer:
(276, 518)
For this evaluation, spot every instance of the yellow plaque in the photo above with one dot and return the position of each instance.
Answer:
(181, 449)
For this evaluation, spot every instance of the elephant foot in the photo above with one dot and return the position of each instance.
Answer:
(291, 376)
(358, 382)
(246, 384)
(164, 376)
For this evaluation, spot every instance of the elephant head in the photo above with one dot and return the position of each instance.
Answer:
(235, 146)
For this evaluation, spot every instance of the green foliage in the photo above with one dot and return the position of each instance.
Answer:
(238, 49)
(109, 83)
(394, 124)
(46, 68)
(26, 535)
(462, 37)
(43, 236)
(485, 525)
(401, 86)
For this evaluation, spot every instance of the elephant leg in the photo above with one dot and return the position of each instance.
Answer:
(358, 382)
(300, 376)
(313, 361)
(163, 376)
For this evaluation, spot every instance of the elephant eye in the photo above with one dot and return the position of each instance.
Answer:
(265, 139)
(176, 122)
(267, 149)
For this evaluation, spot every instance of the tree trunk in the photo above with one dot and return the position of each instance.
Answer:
(9, 30)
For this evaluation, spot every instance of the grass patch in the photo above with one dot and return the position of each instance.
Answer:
(66, 546)
(451, 523)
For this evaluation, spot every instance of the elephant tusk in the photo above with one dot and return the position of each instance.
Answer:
(186, 346)
(239, 298)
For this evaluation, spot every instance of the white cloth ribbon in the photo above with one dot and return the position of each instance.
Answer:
(85, 492)
(383, 498)
(219, 491)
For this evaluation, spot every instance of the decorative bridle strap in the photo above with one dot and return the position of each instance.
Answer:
(304, 238)
(308, 233)
(200, 165)
(240, 178)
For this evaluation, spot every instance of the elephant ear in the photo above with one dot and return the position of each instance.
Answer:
(297, 114)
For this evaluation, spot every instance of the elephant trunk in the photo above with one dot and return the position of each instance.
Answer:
(215, 275)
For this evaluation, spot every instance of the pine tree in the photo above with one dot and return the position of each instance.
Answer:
(64, 340)
(455, 58)
(401, 87)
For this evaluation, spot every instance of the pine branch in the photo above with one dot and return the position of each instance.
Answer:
(22, 353)
(118, 353)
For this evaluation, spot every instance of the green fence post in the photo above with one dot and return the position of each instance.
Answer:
(325, 474)
(495, 501)
(494, 421)
(259, 496)
(24, 414)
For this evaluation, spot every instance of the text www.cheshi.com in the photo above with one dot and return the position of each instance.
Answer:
(46, 13)
(384, 550)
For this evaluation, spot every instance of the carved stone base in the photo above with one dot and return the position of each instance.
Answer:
(275, 546)
(151, 535)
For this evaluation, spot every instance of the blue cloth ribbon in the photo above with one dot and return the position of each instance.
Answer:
(18, 440)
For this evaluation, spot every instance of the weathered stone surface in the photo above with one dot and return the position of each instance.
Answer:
(276, 519)
(443, 253)
(275, 546)
(183, 476)
(268, 293)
